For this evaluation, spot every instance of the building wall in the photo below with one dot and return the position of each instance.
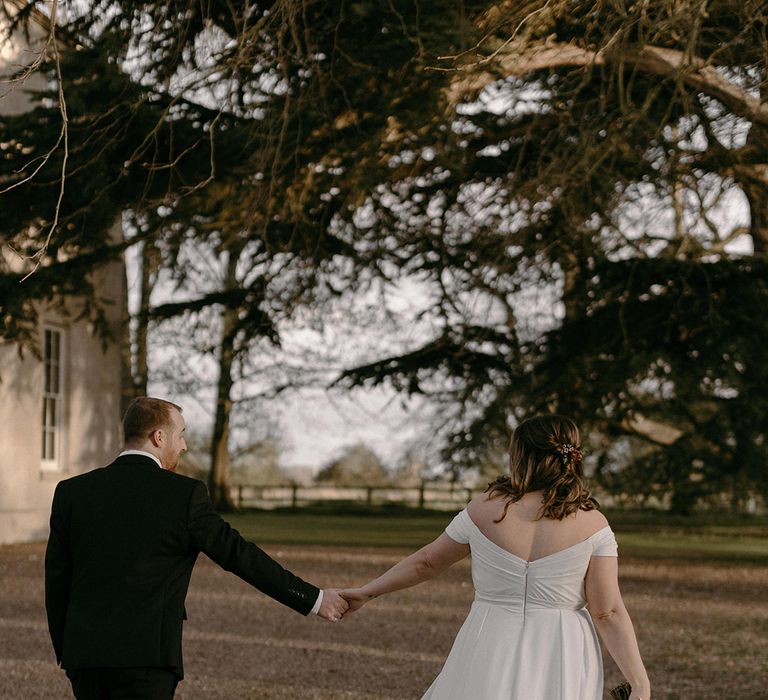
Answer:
(20, 50)
(90, 426)
(92, 377)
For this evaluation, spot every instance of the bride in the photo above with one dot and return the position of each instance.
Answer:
(544, 566)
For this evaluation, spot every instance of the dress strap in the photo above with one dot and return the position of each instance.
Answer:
(460, 528)
(604, 543)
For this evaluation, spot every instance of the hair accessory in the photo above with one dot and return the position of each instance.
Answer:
(568, 453)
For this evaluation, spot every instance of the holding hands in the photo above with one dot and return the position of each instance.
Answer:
(333, 607)
(355, 598)
(338, 604)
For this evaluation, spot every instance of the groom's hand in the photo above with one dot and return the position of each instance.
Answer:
(333, 606)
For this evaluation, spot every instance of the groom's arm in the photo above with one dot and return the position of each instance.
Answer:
(224, 545)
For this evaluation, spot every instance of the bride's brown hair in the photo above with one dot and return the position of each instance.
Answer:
(545, 455)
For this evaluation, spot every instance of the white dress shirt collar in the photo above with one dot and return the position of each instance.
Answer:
(143, 454)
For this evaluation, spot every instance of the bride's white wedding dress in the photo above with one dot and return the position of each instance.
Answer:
(528, 635)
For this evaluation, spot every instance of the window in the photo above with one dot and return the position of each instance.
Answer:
(53, 399)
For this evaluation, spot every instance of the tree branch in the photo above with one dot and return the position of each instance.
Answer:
(656, 60)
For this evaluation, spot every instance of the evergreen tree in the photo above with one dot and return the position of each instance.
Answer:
(592, 151)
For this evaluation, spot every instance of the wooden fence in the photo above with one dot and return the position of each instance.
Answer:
(428, 495)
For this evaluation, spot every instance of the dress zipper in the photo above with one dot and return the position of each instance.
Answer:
(525, 591)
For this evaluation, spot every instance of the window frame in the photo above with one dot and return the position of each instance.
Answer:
(57, 428)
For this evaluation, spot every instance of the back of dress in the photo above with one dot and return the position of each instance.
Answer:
(528, 635)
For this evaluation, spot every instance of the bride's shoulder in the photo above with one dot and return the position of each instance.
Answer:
(594, 519)
(483, 503)
(486, 500)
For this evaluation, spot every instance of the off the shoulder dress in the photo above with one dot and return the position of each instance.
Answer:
(528, 635)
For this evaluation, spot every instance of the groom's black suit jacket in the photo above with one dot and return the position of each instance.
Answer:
(123, 541)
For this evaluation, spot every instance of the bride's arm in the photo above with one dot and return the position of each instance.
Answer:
(423, 565)
(612, 621)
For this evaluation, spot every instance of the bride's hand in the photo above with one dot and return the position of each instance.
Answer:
(637, 696)
(355, 597)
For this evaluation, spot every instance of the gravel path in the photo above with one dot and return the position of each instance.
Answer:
(701, 628)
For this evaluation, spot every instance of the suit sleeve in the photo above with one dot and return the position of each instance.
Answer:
(224, 545)
(58, 573)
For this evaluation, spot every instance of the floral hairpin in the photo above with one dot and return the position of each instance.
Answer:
(569, 453)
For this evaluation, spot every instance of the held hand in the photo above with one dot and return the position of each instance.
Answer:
(333, 606)
(355, 598)
(638, 696)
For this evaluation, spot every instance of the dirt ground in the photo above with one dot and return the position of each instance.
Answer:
(703, 631)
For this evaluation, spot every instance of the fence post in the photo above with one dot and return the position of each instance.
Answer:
(421, 496)
(239, 496)
(369, 496)
(294, 495)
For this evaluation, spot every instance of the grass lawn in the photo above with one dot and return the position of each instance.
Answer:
(701, 537)
(375, 530)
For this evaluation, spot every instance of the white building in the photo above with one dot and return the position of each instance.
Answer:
(59, 416)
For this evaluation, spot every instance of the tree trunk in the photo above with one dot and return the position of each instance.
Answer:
(146, 285)
(219, 482)
(757, 196)
(127, 387)
(754, 183)
(571, 287)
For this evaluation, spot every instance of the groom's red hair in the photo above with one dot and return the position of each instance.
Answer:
(146, 414)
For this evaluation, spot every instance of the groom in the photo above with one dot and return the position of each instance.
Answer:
(123, 542)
